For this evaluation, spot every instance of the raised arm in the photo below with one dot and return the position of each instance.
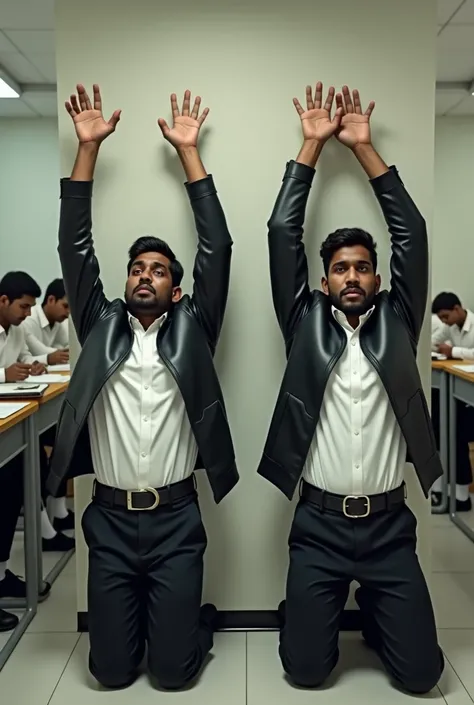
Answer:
(76, 248)
(212, 264)
(288, 263)
(409, 260)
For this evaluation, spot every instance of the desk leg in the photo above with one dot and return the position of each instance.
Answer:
(37, 482)
(452, 464)
(443, 443)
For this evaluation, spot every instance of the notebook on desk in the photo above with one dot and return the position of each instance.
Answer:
(24, 390)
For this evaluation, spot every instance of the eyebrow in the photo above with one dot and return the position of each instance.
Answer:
(142, 263)
(345, 261)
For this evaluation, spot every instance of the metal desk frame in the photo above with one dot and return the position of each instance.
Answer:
(440, 381)
(461, 390)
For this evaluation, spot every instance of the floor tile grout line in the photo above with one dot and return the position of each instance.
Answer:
(458, 677)
(64, 669)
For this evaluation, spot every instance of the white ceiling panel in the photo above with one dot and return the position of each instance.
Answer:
(27, 14)
(12, 107)
(46, 65)
(465, 14)
(464, 108)
(456, 38)
(445, 100)
(32, 41)
(20, 68)
(446, 9)
(43, 103)
(5, 43)
(455, 67)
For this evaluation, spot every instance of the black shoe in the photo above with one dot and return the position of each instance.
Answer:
(13, 586)
(60, 542)
(436, 498)
(7, 621)
(65, 523)
(461, 505)
(208, 617)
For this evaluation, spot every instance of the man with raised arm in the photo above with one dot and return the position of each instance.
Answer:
(350, 413)
(143, 401)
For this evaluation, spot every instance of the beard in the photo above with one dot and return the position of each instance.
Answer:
(149, 305)
(353, 308)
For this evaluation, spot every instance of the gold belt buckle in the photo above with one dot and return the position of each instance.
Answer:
(130, 494)
(356, 516)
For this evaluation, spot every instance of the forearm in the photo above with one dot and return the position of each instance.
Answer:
(309, 153)
(459, 353)
(86, 159)
(370, 160)
(192, 164)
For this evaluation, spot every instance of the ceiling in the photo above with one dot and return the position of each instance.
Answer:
(27, 54)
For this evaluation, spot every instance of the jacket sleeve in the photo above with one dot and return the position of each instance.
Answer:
(80, 267)
(211, 271)
(288, 263)
(409, 261)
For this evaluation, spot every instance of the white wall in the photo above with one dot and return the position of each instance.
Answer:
(453, 235)
(29, 197)
(247, 64)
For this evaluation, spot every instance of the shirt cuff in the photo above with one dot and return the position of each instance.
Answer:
(76, 189)
(201, 188)
(457, 353)
(302, 172)
(386, 182)
(3, 378)
(42, 359)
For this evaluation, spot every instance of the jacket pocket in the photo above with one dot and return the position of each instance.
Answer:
(291, 434)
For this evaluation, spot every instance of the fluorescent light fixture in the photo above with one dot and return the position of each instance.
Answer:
(8, 87)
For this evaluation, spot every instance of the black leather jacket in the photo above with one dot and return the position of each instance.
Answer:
(315, 342)
(186, 341)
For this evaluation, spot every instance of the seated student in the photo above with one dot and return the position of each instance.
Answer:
(18, 292)
(45, 334)
(455, 339)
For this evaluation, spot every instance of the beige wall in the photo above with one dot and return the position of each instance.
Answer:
(247, 64)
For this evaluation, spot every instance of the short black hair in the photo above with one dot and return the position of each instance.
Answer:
(56, 289)
(154, 244)
(15, 285)
(347, 237)
(445, 301)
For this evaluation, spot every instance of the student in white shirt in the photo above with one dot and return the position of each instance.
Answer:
(18, 293)
(454, 337)
(46, 328)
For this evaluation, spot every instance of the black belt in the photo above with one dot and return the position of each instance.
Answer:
(352, 506)
(143, 500)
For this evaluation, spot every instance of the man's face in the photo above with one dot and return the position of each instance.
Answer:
(149, 290)
(351, 283)
(15, 312)
(58, 309)
(451, 317)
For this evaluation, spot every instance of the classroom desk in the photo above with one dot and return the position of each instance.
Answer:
(17, 435)
(440, 381)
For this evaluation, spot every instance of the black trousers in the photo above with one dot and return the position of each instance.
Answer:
(11, 501)
(145, 588)
(327, 552)
(464, 436)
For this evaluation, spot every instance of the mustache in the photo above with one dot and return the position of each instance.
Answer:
(353, 290)
(148, 287)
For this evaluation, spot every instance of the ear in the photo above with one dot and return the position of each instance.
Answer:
(177, 294)
(325, 286)
(4, 300)
(378, 283)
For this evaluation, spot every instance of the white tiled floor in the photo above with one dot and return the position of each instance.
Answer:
(49, 666)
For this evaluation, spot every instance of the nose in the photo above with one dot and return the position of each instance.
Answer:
(352, 277)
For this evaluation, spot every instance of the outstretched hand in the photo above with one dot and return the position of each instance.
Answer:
(316, 121)
(354, 129)
(91, 127)
(186, 125)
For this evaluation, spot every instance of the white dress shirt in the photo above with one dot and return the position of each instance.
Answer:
(437, 326)
(43, 338)
(139, 429)
(358, 447)
(462, 339)
(13, 348)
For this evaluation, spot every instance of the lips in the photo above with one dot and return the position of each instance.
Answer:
(144, 288)
(353, 292)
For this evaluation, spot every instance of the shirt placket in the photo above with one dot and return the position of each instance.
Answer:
(145, 409)
(356, 414)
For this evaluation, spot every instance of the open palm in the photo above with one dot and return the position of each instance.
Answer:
(316, 121)
(355, 125)
(186, 125)
(90, 125)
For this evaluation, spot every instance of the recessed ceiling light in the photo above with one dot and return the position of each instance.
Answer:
(7, 91)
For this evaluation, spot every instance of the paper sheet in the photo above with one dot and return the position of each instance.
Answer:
(59, 368)
(464, 368)
(47, 379)
(438, 356)
(8, 409)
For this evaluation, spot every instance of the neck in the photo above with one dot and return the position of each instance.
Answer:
(463, 318)
(5, 325)
(48, 316)
(147, 321)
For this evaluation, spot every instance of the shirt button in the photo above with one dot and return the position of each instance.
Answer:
(355, 372)
(146, 386)
(143, 455)
(356, 433)
(145, 419)
(353, 343)
(356, 401)
(357, 466)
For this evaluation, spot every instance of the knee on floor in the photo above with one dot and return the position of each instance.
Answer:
(169, 675)
(308, 674)
(113, 678)
(422, 682)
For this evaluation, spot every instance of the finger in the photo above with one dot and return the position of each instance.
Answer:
(81, 93)
(309, 98)
(298, 107)
(164, 127)
(329, 99)
(370, 109)
(204, 115)
(340, 102)
(356, 99)
(318, 95)
(186, 101)
(338, 117)
(347, 99)
(115, 118)
(97, 98)
(70, 109)
(174, 105)
(195, 110)
(75, 104)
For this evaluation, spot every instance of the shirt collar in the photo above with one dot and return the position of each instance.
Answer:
(2, 330)
(43, 321)
(468, 322)
(136, 325)
(341, 318)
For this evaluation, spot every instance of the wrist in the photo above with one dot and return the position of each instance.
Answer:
(89, 147)
(362, 148)
(309, 152)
